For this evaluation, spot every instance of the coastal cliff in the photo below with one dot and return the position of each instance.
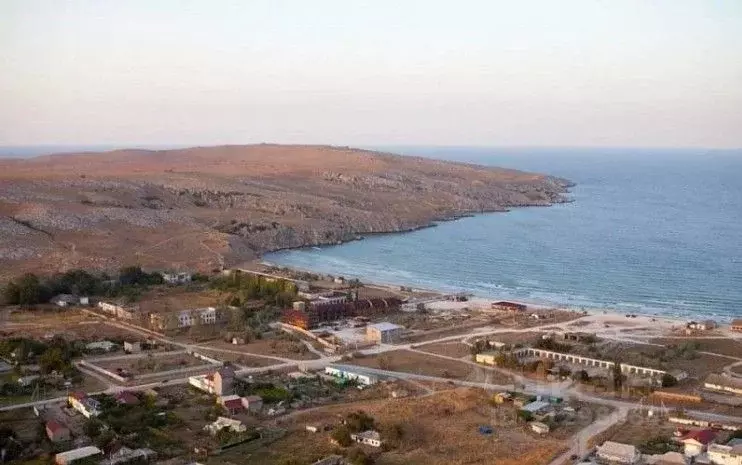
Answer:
(208, 207)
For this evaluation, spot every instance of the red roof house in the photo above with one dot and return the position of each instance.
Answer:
(126, 397)
(57, 432)
(697, 441)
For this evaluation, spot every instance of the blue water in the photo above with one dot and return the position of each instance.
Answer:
(650, 231)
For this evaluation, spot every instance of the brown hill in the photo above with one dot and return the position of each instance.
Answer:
(204, 207)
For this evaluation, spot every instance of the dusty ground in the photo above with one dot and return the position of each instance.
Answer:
(165, 299)
(638, 429)
(147, 364)
(450, 349)
(724, 346)
(423, 440)
(277, 347)
(240, 359)
(413, 362)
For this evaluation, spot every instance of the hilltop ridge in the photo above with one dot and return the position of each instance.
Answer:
(205, 207)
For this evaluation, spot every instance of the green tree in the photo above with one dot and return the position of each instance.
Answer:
(359, 421)
(341, 435)
(358, 457)
(668, 380)
(53, 359)
(12, 294)
(29, 290)
(617, 376)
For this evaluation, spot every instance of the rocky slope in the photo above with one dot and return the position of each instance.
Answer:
(211, 206)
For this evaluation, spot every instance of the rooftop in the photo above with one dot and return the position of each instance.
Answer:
(385, 326)
(704, 436)
(77, 454)
(369, 434)
(534, 407)
(55, 426)
(617, 449)
(737, 322)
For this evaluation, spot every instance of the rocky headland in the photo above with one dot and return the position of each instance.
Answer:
(208, 207)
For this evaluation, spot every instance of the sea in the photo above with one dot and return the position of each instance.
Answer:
(648, 231)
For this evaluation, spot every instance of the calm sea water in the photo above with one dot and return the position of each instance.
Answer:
(650, 231)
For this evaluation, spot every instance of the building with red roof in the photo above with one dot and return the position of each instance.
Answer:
(127, 398)
(57, 432)
(696, 442)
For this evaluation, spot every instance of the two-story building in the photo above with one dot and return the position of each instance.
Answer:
(84, 404)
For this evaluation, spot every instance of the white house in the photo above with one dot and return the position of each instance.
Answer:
(370, 438)
(539, 428)
(725, 455)
(132, 347)
(71, 456)
(384, 332)
(88, 406)
(617, 452)
(221, 423)
(696, 442)
(105, 346)
(176, 278)
(359, 376)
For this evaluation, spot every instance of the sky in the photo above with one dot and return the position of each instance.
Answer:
(628, 73)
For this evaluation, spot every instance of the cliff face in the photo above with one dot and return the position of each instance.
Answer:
(212, 206)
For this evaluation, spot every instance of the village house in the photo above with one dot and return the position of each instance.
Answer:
(360, 377)
(132, 347)
(84, 404)
(221, 423)
(736, 325)
(725, 455)
(539, 428)
(384, 333)
(705, 325)
(668, 458)
(127, 398)
(220, 382)
(616, 452)
(57, 432)
(102, 346)
(177, 277)
(126, 455)
(184, 318)
(370, 438)
(696, 442)
(119, 310)
(83, 454)
(509, 306)
(65, 300)
(724, 384)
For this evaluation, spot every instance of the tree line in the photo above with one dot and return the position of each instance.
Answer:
(31, 289)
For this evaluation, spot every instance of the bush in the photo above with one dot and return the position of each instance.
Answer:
(668, 380)
(342, 436)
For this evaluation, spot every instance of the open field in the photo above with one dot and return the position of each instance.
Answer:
(528, 337)
(240, 359)
(277, 347)
(724, 346)
(166, 299)
(87, 384)
(449, 349)
(639, 429)
(417, 363)
(422, 440)
(147, 364)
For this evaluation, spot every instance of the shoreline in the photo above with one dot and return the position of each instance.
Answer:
(475, 302)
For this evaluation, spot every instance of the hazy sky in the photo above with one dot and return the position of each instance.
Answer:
(463, 72)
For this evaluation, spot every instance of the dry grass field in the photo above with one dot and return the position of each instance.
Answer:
(151, 364)
(724, 346)
(276, 347)
(435, 430)
(240, 359)
(449, 349)
(429, 365)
